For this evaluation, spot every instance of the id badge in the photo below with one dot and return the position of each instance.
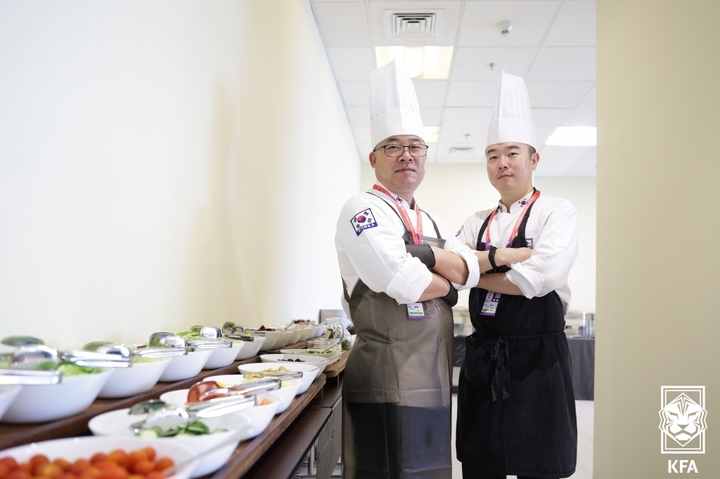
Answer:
(415, 311)
(490, 305)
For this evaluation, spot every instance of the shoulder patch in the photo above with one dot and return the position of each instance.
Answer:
(363, 221)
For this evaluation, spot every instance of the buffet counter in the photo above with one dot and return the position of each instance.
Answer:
(299, 426)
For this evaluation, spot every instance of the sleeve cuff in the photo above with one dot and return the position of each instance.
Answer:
(410, 282)
(528, 281)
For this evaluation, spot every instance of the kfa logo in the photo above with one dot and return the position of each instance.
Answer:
(682, 421)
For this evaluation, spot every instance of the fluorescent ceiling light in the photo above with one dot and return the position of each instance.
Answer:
(431, 134)
(422, 63)
(573, 136)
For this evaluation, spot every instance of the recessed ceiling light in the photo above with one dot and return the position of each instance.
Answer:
(573, 136)
(422, 63)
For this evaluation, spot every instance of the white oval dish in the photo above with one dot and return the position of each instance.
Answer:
(47, 402)
(138, 378)
(7, 396)
(116, 424)
(287, 392)
(84, 447)
(187, 366)
(309, 371)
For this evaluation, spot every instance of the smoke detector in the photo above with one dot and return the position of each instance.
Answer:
(505, 27)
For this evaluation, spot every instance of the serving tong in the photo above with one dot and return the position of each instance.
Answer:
(25, 359)
(168, 418)
(230, 330)
(133, 351)
(164, 339)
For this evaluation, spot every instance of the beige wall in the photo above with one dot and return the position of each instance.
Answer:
(658, 117)
(456, 191)
(159, 167)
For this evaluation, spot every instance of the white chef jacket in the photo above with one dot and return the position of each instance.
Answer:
(551, 232)
(370, 247)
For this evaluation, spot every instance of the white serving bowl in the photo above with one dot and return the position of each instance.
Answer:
(287, 391)
(318, 361)
(47, 402)
(75, 448)
(184, 367)
(7, 396)
(261, 415)
(272, 339)
(251, 348)
(138, 378)
(116, 424)
(309, 371)
(222, 357)
(294, 335)
(304, 333)
(176, 398)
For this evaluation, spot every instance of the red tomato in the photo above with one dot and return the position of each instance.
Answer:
(198, 389)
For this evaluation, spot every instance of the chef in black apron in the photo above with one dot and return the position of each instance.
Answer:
(516, 406)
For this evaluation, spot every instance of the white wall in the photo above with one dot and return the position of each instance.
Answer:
(159, 168)
(658, 112)
(456, 191)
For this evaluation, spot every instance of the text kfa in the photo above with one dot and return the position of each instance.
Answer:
(681, 465)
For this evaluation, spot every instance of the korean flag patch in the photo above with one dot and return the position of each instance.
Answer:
(363, 221)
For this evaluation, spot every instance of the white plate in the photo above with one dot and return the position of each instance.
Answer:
(287, 392)
(47, 402)
(309, 371)
(75, 448)
(116, 425)
(319, 361)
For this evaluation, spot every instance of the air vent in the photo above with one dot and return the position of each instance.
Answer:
(461, 150)
(412, 24)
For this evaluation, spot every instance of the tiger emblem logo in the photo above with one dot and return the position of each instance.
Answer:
(682, 419)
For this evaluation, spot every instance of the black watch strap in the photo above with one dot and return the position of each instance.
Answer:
(491, 258)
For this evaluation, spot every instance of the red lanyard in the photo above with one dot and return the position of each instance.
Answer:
(514, 233)
(417, 236)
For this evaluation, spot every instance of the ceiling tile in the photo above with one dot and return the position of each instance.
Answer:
(541, 136)
(589, 100)
(531, 20)
(358, 115)
(473, 63)
(342, 24)
(355, 92)
(559, 94)
(574, 25)
(581, 117)
(431, 116)
(472, 93)
(351, 63)
(574, 153)
(549, 118)
(563, 64)
(430, 92)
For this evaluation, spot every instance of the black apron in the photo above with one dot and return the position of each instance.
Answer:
(516, 405)
(397, 389)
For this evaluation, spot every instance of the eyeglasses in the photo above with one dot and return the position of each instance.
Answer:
(394, 151)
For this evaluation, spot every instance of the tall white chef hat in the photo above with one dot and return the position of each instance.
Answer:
(512, 120)
(394, 107)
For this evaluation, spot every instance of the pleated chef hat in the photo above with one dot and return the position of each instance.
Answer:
(394, 107)
(512, 120)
